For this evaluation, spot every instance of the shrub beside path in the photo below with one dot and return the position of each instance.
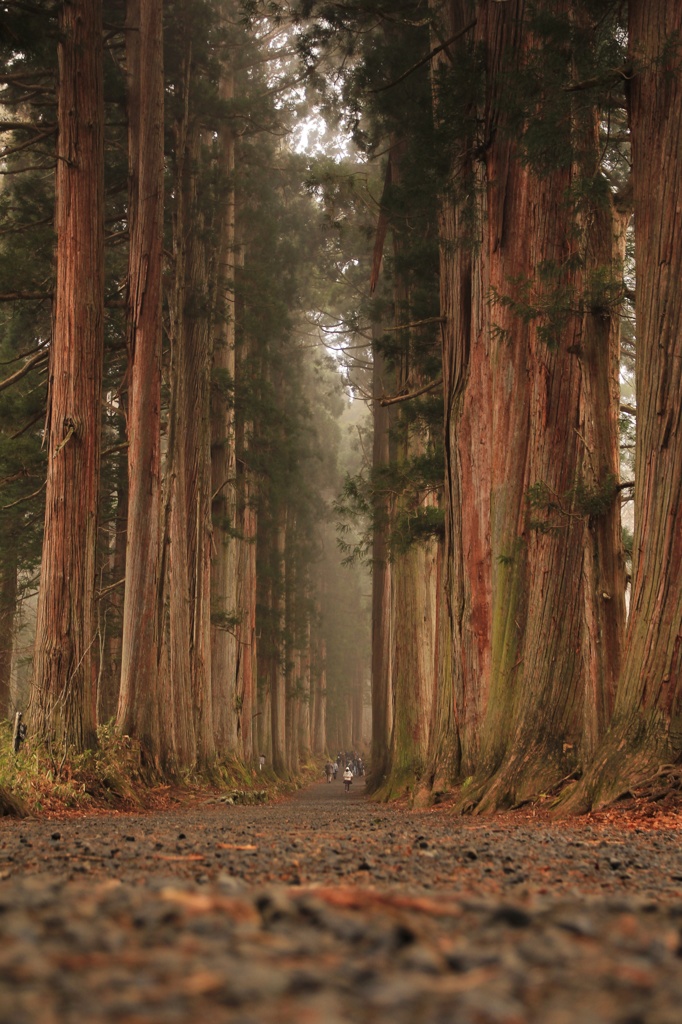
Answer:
(326, 908)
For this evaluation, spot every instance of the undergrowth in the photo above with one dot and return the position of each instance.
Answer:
(113, 777)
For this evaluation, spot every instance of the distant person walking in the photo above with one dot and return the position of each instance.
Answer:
(329, 771)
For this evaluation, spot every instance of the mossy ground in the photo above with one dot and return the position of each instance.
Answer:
(35, 782)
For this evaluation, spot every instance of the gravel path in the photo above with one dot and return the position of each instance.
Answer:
(327, 908)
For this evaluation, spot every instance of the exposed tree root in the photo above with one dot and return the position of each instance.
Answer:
(636, 759)
(522, 778)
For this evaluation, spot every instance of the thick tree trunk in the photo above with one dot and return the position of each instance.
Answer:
(646, 731)
(140, 699)
(554, 480)
(62, 707)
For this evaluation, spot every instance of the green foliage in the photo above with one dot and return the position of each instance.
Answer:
(579, 502)
(412, 526)
(390, 499)
(108, 775)
(225, 620)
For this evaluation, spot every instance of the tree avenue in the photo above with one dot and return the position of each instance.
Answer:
(432, 301)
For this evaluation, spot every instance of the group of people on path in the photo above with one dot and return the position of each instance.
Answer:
(354, 766)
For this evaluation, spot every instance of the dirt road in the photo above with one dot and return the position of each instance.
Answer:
(327, 909)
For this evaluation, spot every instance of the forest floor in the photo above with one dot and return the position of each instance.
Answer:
(326, 908)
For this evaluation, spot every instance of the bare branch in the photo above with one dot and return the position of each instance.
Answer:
(418, 323)
(27, 497)
(427, 58)
(40, 357)
(412, 394)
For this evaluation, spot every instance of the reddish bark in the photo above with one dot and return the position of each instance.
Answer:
(63, 699)
(530, 427)
(550, 694)
(140, 711)
(464, 670)
(646, 730)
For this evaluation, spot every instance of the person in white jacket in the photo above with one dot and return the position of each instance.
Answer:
(347, 778)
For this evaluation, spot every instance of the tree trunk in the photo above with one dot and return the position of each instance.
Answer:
(464, 666)
(320, 702)
(8, 607)
(62, 709)
(111, 605)
(646, 731)
(225, 652)
(278, 654)
(195, 416)
(552, 386)
(176, 668)
(415, 578)
(304, 722)
(140, 700)
(247, 584)
(382, 694)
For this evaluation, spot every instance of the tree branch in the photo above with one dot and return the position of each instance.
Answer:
(27, 497)
(40, 357)
(412, 394)
(427, 58)
(416, 323)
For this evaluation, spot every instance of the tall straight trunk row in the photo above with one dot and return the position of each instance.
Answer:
(193, 689)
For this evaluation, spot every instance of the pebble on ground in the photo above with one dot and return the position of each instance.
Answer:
(328, 909)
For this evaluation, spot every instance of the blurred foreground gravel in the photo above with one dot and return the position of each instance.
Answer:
(327, 909)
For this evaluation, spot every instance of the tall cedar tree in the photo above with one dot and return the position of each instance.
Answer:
(646, 730)
(62, 708)
(142, 711)
(520, 363)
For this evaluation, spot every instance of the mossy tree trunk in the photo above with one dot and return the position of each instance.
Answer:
(555, 547)
(646, 731)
